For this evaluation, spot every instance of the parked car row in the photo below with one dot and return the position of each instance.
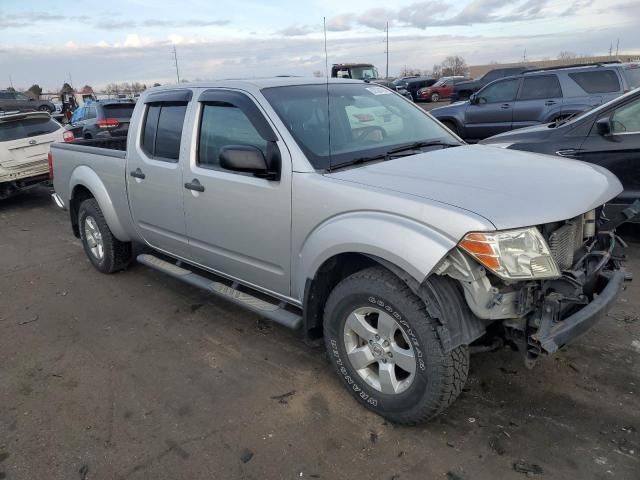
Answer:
(537, 97)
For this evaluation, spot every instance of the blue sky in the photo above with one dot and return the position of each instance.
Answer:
(46, 41)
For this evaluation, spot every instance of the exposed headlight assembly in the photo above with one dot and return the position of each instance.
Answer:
(512, 254)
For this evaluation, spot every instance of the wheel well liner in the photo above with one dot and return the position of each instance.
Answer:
(80, 194)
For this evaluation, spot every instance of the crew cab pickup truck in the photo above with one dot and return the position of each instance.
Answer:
(391, 239)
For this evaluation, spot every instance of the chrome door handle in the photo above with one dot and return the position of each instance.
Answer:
(505, 106)
(137, 173)
(549, 102)
(194, 185)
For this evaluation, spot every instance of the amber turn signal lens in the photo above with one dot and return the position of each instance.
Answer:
(479, 246)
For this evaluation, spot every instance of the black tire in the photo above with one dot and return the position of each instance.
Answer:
(44, 108)
(87, 136)
(451, 126)
(435, 97)
(439, 377)
(116, 254)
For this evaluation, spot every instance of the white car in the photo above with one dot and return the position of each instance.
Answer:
(24, 145)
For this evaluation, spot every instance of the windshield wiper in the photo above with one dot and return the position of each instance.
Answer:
(394, 152)
(422, 144)
(564, 120)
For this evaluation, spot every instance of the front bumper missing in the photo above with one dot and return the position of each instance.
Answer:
(553, 334)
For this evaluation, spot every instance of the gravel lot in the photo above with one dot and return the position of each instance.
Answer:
(137, 376)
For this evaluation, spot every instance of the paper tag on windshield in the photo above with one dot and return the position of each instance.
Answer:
(379, 90)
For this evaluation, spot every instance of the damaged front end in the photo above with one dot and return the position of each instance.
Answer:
(575, 275)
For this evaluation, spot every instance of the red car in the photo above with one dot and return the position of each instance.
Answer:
(443, 88)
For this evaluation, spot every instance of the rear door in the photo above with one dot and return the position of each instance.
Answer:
(620, 151)
(539, 97)
(238, 224)
(154, 175)
(493, 111)
(76, 125)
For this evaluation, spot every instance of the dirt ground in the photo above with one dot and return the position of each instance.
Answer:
(137, 376)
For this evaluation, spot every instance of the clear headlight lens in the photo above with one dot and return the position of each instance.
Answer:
(512, 254)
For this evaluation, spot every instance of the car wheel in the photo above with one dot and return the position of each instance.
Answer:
(106, 252)
(386, 347)
(44, 108)
(87, 136)
(435, 97)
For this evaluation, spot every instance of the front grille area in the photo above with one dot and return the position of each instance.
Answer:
(563, 244)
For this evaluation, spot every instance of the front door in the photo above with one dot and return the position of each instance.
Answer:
(492, 111)
(620, 151)
(154, 175)
(238, 224)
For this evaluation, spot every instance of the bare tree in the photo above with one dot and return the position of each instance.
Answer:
(156, 84)
(454, 65)
(35, 90)
(565, 55)
(436, 71)
(409, 71)
(87, 89)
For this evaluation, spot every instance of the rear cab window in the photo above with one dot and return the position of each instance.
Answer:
(600, 81)
(162, 131)
(26, 128)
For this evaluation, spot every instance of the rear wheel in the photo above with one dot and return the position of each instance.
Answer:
(386, 347)
(44, 108)
(106, 252)
(435, 97)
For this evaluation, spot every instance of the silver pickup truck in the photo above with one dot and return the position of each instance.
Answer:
(343, 211)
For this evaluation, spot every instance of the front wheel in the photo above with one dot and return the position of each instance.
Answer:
(44, 108)
(106, 252)
(386, 347)
(435, 97)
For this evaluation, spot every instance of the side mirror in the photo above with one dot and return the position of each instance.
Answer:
(246, 158)
(473, 99)
(603, 126)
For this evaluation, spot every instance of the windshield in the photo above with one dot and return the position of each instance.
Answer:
(365, 120)
(364, 73)
(439, 83)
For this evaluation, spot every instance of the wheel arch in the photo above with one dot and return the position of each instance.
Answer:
(85, 183)
(348, 243)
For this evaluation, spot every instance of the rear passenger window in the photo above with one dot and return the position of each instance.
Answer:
(602, 81)
(535, 88)
(225, 124)
(163, 130)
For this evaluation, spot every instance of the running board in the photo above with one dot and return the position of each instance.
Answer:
(272, 311)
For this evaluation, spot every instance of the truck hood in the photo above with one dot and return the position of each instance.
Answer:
(509, 188)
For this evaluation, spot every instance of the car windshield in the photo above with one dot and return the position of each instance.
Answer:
(439, 83)
(365, 121)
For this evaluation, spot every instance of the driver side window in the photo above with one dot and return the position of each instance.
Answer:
(626, 119)
(225, 124)
(501, 91)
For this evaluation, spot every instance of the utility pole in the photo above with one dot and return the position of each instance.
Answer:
(617, 46)
(387, 52)
(524, 56)
(70, 79)
(610, 48)
(175, 59)
(10, 80)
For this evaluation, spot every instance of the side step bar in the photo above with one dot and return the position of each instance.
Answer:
(271, 311)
